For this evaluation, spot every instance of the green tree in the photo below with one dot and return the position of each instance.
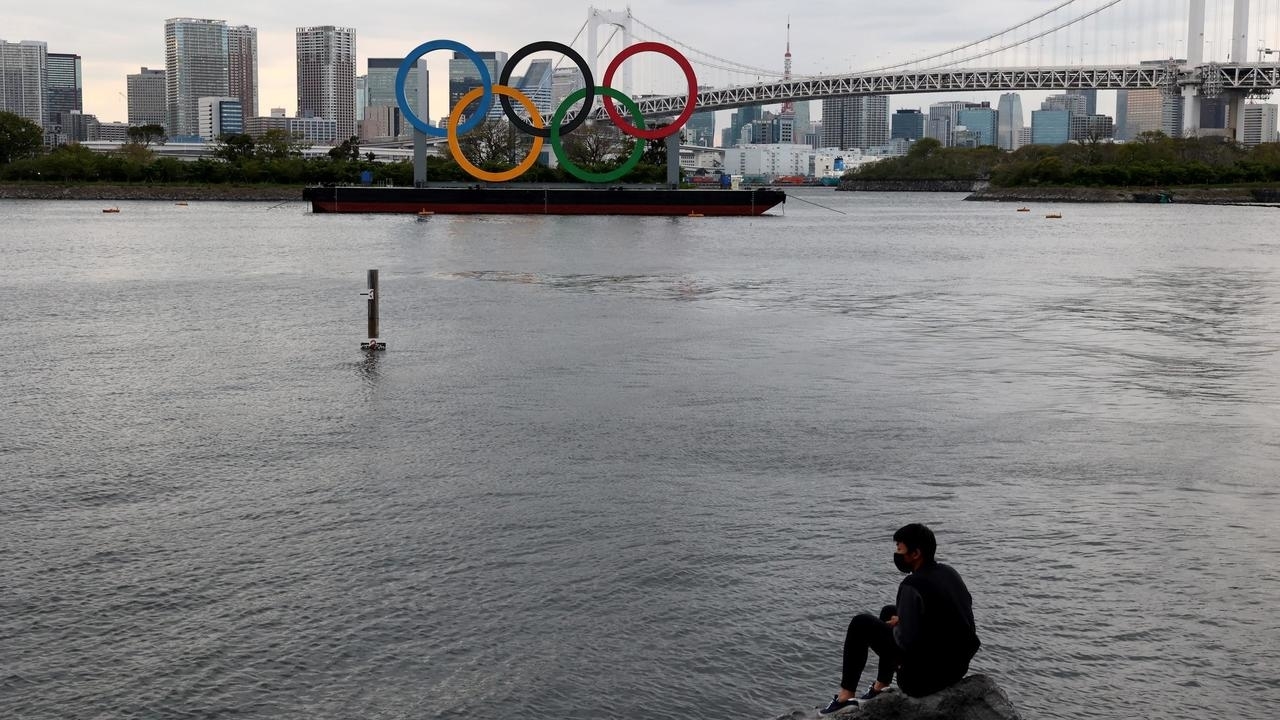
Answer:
(348, 150)
(19, 138)
(278, 143)
(493, 144)
(235, 148)
(595, 145)
(144, 135)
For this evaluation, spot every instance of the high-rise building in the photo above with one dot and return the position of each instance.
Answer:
(1122, 114)
(1148, 111)
(981, 124)
(380, 91)
(944, 118)
(146, 98)
(701, 129)
(859, 121)
(739, 119)
(1050, 127)
(1009, 132)
(463, 76)
(1090, 96)
(803, 119)
(380, 87)
(65, 91)
(537, 83)
(1074, 104)
(195, 63)
(24, 74)
(242, 67)
(1091, 128)
(362, 96)
(907, 125)
(327, 76)
(77, 126)
(564, 81)
(1259, 123)
(1213, 113)
(220, 116)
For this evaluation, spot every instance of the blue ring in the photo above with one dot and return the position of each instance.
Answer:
(410, 60)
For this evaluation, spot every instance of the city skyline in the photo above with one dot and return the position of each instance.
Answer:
(118, 44)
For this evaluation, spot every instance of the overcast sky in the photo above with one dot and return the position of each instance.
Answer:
(829, 37)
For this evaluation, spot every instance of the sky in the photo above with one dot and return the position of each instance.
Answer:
(826, 37)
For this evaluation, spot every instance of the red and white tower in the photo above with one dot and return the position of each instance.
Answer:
(788, 107)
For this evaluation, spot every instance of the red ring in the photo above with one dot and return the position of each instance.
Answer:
(661, 132)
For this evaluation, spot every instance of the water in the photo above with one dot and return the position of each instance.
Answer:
(631, 467)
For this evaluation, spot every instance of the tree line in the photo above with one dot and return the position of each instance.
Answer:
(1152, 159)
(276, 158)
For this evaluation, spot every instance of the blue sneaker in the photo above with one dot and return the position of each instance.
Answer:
(872, 692)
(836, 705)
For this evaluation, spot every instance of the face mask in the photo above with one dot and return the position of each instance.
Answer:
(900, 562)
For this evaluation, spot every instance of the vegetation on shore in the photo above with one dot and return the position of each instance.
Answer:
(276, 159)
(1152, 160)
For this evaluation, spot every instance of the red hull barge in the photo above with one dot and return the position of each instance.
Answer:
(508, 200)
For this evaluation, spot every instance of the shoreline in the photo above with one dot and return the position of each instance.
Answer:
(1230, 195)
(1251, 195)
(116, 191)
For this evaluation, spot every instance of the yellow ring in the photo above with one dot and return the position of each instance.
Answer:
(456, 116)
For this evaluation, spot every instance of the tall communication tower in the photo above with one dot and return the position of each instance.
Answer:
(788, 107)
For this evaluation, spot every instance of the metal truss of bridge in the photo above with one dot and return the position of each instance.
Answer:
(1256, 77)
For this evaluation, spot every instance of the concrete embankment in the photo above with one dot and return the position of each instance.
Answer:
(110, 191)
(910, 185)
(1190, 196)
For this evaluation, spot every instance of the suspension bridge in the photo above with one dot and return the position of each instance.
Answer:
(1197, 49)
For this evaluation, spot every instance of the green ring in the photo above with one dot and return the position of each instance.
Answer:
(574, 170)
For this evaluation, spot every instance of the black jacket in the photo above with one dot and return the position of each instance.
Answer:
(935, 620)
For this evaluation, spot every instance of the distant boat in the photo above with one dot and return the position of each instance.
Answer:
(111, 210)
(1024, 209)
(1054, 216)
(695, 214)
(181, 203)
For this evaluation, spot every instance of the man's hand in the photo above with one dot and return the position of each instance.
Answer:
(892, 622)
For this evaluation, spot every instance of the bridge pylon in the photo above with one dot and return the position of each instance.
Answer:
(596, 19)
(1195, 57)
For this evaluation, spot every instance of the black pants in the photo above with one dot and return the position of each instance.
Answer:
(868, 633)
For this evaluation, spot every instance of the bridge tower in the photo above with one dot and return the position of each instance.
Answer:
(608, 18)
(1192, 94)
(1239, 54)
(1195, 58)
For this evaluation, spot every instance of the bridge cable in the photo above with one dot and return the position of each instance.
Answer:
(735, 65)
(966, 46)
(1002, 48)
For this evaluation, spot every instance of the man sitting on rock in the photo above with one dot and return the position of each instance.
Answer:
(928, 637)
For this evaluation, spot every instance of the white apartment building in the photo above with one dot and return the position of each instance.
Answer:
(24, 77)
(1260, 123)
(774, 160)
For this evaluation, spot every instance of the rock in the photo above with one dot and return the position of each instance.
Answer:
(976, 697)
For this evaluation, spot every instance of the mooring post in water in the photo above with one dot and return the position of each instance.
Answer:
(373, 342)
(673, 161)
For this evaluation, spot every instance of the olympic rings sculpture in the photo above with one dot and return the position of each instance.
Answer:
(540, 129)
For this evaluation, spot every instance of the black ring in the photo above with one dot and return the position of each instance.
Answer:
(568, 52)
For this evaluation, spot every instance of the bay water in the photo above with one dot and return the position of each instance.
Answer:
(631, 467)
